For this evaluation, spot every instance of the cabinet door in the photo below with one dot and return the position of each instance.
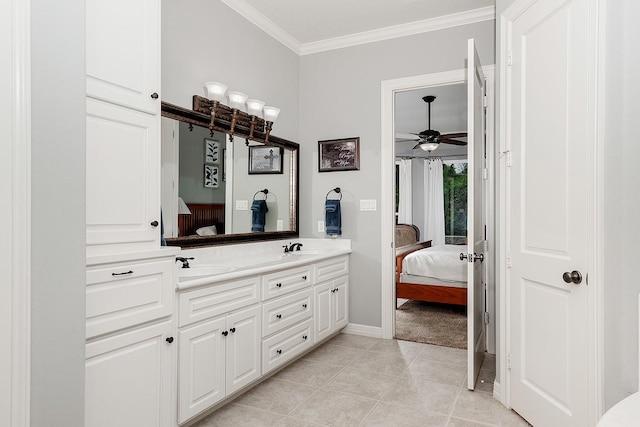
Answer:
(340, 312)
(201, 367)
(123, 179)
(128, 379)
(323, 303)
(243, 348)
(123, 52)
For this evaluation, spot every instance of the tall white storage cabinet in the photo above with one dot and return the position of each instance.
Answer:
(131, 280)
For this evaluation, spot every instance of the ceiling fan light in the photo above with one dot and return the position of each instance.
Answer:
(429, 146)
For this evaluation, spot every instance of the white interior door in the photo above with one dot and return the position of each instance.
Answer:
(549, 121)
(475, 229)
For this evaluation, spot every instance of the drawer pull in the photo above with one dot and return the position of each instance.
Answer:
(304, 305)
(278, 285)
(169, 340)
(279, 316)
(225, 333)
(279, 351)
(232, 330)
(122, 274)
(304, 337)
(304, 277)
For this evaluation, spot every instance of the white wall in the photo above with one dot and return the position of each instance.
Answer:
(58, 213)
(204, 40)
(340, 97)
(621, 203)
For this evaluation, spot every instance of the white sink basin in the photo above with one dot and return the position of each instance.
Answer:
(204, 270)
(305, 252)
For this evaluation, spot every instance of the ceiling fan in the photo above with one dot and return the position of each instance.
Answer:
(430, 139)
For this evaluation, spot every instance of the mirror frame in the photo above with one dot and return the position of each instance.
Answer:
(203, 120)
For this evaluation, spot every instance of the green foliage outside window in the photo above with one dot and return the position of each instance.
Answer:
(455, 202)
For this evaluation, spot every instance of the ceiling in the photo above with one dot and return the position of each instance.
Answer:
(308, 26)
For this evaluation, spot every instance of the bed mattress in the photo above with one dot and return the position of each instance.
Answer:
(440, 262)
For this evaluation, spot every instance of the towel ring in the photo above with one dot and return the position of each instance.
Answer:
(265, 191)
(336, 190)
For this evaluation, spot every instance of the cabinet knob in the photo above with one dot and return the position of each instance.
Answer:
(232, 330)
(278, 285)
(154, 95)
(279, 316)
(225, 333)
(154, 223)
(333, 291)
(279, 351)
(169, 340)
(304, 305)
(304, 277)
(304, 337)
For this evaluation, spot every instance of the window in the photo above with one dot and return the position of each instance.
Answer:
(455, 201)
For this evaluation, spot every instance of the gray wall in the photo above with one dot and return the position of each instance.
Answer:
(191, 184)
(58, 212)
(340, 97)
(621, 205)
(204, 40)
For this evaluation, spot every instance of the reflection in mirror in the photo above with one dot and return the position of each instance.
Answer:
(210, 184)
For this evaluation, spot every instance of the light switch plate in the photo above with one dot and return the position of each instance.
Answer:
(368, 205)
(320, 226)
(279, 225)
(242, 205)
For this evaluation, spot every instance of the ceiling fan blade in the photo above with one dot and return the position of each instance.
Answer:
(453, 141)
(454, 135)
(407, 139)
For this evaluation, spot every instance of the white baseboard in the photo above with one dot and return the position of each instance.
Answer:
(364, 330)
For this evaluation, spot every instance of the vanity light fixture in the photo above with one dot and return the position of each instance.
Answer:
(247, 118)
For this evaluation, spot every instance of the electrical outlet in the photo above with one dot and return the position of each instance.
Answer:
(320, 226)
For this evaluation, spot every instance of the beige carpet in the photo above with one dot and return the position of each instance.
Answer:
(431, 323)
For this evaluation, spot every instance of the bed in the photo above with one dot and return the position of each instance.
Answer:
(431, 274)
(205, 217)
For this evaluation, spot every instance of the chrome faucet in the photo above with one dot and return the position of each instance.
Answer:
(184, 261)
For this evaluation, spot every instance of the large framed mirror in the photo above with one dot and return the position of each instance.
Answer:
(214, 185)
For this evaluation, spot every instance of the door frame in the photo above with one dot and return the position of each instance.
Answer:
(15, 146)
(387, 174)
(595, 223)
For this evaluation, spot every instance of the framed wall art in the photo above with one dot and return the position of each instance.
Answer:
(339, 155)
(211, 176)
(211, 151)
(265, 159)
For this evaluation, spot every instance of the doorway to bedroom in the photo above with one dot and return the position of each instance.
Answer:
(431, 214)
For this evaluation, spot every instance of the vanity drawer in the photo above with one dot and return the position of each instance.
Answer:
(285, 311)
(283, 282)
(286, 345)
(331, 268)
(121, 295)
(203, 303)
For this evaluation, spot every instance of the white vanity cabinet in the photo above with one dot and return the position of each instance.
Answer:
(128, 378)
(123, 53)
(219, 342)
(331, 294)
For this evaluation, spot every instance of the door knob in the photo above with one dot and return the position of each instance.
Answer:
(478, 257)
(573, 277)
(462, 256)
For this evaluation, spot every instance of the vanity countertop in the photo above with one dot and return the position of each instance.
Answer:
(217, 264)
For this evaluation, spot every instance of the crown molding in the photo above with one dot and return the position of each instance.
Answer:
(386, 33)
(265, 24)
(402, 30)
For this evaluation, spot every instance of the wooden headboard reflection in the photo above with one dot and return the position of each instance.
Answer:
(202, 215)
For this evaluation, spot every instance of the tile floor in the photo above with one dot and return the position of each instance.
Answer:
(360, 381)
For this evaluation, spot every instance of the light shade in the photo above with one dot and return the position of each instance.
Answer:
(429, 146)
(215, 91)
(183, 209)
(254, 107)
(237, 100)
(271, 113)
